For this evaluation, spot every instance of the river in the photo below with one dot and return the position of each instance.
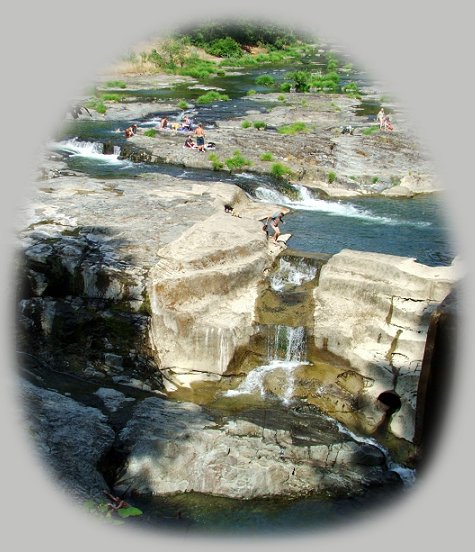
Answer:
(406, 227)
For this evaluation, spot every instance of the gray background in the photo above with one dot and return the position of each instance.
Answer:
(51, 50)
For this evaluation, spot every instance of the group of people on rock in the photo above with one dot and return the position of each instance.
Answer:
(184, 125)
(384, 120)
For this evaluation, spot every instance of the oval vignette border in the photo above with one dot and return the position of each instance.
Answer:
(51, 50)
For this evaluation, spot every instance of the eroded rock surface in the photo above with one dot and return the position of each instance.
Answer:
(374, 310)
(177, 447)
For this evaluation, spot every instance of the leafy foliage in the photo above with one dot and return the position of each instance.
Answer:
(237, 161)
(293, 128)
(260, 125)
(210, 97)
(215, 162)
(280, 170)
(265, 80)
(266, 156)
(151, 133)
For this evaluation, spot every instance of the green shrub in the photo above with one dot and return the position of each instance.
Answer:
(151, 133)
(375, 179)
(251, 92)
(280, 171)
(215, 162)
(110, 97)
(97, 104)
(351, 89)
(224, 47)
(331, 177)
(246, 124)
(115, 84)
(182, 105)
(265, 80)
(300, 80)
(267, 156)
(237, 161)
(281, 98)
(260, 124)
(369, 131)
(293, 128)
(210, 97)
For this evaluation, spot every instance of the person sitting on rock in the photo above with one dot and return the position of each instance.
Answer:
(387, 125)
(189, 143)
(130, 131)
(186, 124)
(164, 123)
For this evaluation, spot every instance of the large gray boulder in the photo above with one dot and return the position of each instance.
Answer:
(177, 447)
(71, 439)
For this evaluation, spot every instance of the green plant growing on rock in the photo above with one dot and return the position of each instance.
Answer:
(375, 179)
(215, 162)
(331, 177)
(246, 124)
(237, 161)
(97, 104)
(265, 80)
(260, 125)
(293, 128)
(114, 511)
(369, 131)
(281, 98)
(279, 170)
(351, 89)
(150, 133)
(108, 97)
(251, 92)
(210, 97)
(267, 156)
(182, 105)
(115, 84)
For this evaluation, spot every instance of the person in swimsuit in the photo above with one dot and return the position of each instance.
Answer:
(200, 137)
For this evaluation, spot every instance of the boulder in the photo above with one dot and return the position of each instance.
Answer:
(177, 447)
(203, 292)
(71, 439)
(373, 310)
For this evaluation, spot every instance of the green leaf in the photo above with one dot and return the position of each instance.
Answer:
(129, 511)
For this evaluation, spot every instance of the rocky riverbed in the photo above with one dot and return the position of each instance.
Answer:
(134, 290)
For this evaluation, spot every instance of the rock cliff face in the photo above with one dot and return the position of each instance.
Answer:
(374, 311)
(203, 292)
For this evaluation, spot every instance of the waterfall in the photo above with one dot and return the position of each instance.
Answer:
(407, 475)
(292, 274)
(286, 351)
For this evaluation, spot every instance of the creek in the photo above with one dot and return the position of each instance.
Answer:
(407, 227)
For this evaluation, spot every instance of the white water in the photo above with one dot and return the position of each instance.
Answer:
(91, 150)
(407, 475)
(286, 351)
(307, 202)
(292, 274)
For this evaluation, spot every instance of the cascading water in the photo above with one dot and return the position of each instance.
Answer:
(286, 352)
(292, 274)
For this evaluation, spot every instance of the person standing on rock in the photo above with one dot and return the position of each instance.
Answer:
(380, 117)
(200, 137)
(276, 220)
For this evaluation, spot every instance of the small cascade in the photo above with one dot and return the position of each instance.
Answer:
(292, 274)
(286, 351)
(407, 475)
(90, 150)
